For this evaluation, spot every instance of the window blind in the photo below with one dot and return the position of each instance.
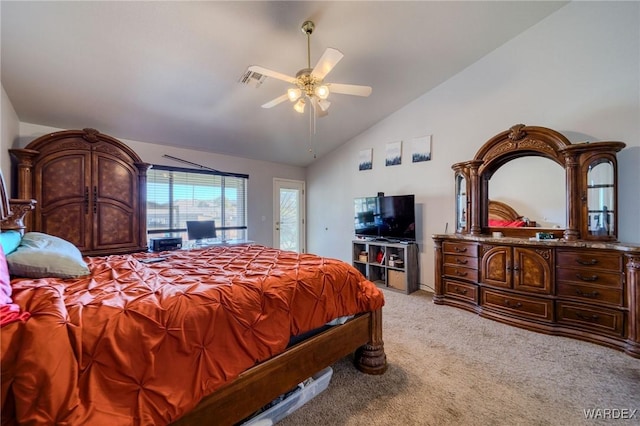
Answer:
(176, 195)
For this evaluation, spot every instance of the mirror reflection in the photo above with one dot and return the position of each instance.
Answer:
(533, 186)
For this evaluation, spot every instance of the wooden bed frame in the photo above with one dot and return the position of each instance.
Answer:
(262, 383)
(503, 211)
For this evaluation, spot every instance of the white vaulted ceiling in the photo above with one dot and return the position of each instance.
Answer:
(168, 72)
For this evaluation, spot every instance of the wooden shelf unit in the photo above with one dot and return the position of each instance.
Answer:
(387, 264)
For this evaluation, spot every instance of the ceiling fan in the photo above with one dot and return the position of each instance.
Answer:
(308, 84)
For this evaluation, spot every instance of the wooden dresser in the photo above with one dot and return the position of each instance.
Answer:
(90, 190)
(584, 290)
(577, 281)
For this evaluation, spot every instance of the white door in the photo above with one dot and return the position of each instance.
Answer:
(289, 215)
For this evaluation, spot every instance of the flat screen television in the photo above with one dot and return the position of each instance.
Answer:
(390, 217)
(201, 229)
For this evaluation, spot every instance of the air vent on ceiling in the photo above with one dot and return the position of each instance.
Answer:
(252, 78)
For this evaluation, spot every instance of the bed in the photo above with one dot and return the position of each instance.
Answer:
(503, 215)
(195, 337)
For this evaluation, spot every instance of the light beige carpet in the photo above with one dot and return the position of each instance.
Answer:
(451, 367)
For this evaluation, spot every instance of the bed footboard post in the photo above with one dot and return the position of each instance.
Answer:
(370, 358)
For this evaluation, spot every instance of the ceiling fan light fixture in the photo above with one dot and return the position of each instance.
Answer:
(294, 94)
(324, 104)
(322, 91)
(299, 106)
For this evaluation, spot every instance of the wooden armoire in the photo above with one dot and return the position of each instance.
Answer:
(90, 189)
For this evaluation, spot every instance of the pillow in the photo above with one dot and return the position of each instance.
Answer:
(41, 255)
(10, 240)
(5, 284)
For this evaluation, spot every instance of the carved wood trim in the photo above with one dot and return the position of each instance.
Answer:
(19, 209)
(520, 140)
(90, 136)
(371, 358)
(632, 277)
(545, 253)
(485, 248)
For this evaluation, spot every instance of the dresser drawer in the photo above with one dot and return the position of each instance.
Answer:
(530, 307)
(468, 292)
(597, 319)
(612, 296)
(586, 260)
(589, 277)
(456, 247)
(460, 272)
(459, 260)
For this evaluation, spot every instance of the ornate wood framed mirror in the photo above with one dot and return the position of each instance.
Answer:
(590, 181)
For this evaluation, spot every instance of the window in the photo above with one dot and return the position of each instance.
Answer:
(176, 195)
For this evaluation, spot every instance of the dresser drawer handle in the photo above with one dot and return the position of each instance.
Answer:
(591, 278)
(590, 318)
(508, 304)
(587, 262)
(460, 250)
(594, 294)
(460, 291)
(461, 261)
(461, 274)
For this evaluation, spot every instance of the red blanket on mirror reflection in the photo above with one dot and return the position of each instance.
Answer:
(137, 343)
(507, 223)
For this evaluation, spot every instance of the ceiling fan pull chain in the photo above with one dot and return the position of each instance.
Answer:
(308, 50)
(312, 122)
(312, 125)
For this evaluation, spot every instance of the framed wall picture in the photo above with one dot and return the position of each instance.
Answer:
(421, 149)
(365, 159)
(393, 154)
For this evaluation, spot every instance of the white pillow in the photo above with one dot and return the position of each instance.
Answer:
(41, 255)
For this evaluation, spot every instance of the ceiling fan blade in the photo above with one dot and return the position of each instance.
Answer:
(349, 89)
(276, 101)
(270, 73)
(327, 61)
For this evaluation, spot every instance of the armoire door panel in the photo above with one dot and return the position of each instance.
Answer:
(63, 178)
(115, 202)
(63, 197)
(114, 227)
(68, 221)
(116, 181)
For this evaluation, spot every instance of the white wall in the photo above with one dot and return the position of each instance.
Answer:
(576, 72)
(261, 174)
(9, 131)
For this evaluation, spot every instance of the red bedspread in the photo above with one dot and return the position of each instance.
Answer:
(138, 343)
